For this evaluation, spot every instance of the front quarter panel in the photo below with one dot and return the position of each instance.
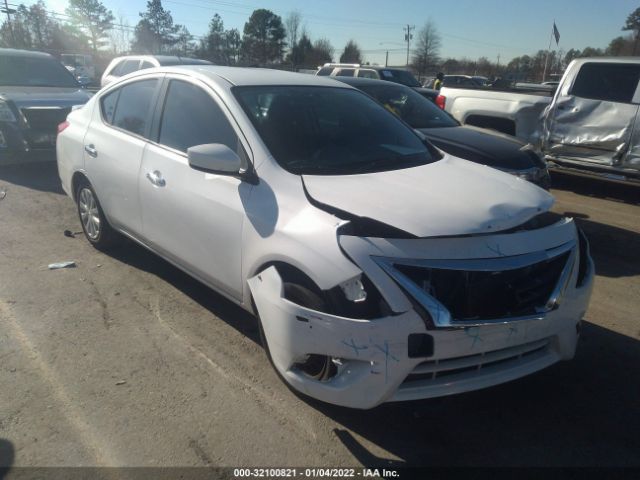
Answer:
(282, 226)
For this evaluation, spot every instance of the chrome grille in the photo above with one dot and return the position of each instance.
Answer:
(464, 292)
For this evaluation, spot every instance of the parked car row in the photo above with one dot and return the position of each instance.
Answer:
(381, 268)
(479, 145)
(588, 124)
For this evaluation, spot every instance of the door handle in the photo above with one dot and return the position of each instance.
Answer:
(155, 177)
(91, 150)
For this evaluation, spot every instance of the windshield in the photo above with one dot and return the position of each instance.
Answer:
(400, 76)
(410, 106)
(330, 131)
(34, 72)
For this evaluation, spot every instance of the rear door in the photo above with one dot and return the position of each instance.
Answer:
(592, 118)
(190, 216)
(113, 147)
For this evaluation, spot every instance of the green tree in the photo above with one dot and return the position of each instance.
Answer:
(322, 52)
(234, 45)
(351, 53)
(155, 31)
(633, 24)
(591, 52)
(300, 51)
(620, 46)
(213, 46)
(34, 28)
(184, 45)
(92, 18)
(571, 55)
(263, 38)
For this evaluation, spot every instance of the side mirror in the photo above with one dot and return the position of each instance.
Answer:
(214, 157)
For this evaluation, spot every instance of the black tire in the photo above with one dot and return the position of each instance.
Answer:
(318, 367)
(97, 229)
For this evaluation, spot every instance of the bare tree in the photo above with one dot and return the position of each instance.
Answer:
(426, 54)
(292, 25)
(120, 34)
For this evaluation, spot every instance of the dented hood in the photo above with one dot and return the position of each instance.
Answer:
(448, 197)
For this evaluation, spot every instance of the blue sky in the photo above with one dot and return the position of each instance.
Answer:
(469, 28)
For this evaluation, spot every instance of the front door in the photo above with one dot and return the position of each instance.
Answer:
(193, 217)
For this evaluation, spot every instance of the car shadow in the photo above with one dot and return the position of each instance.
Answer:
(593, 187)
(614, 250)
(7, 457)
(577, 413)
(139, 257)
(41, 176)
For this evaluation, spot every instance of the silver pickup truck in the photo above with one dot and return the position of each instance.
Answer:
(588, 126)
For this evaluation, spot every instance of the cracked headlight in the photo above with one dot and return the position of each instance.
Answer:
(6, 114)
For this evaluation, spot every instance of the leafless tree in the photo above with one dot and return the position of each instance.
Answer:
(120, 34)
(292, 25)
(426, 54)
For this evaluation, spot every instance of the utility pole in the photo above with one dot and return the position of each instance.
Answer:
(407, 36)
(9, 11)
(386, 59)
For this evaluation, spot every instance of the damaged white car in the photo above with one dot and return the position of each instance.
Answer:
(381, 269)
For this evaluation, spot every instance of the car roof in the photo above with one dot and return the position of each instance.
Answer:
(14, 52)
(360, 81)
(363, 82)
(166, 59)
(583, 60)
(379, 67)
(241, 76)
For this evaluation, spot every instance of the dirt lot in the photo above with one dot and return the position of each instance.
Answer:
(124, 360)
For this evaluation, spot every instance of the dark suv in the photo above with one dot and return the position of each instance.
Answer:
(36, 94)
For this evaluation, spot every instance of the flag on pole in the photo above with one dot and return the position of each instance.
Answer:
(556, 33)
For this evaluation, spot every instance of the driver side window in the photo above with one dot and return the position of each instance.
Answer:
(192, 117)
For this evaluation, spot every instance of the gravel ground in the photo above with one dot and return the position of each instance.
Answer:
(126, 361)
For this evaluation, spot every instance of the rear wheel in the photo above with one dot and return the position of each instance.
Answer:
(95, 226)
(318, 367)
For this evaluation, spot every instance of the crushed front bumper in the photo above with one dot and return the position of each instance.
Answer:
(374, 358)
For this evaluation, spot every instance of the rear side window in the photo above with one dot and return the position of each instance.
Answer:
(146, 64)
(367, 74)
(325, 71)
(191, 117)
(132, 107)
(607, 81)
(345, 72)
(128, 66)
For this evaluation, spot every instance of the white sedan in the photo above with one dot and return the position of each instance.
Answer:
(381, 268)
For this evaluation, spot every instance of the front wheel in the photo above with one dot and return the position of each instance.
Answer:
(95, 226)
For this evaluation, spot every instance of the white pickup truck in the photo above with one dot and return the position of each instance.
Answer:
(588, 126)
